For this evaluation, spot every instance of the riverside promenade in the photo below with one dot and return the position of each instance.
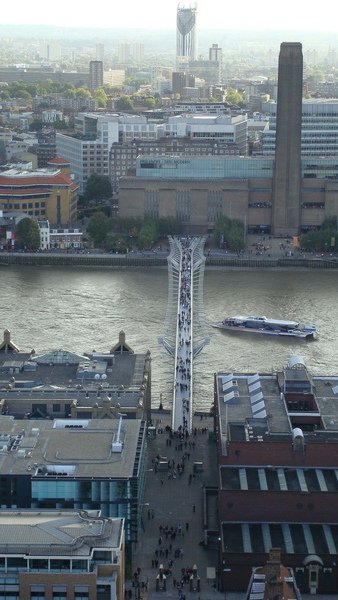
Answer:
(175, 515)
(171, 504)
(159, 259)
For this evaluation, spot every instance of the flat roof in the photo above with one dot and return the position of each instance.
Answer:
(51, 381)
(75, 449)
(55, 532)
(256, 400)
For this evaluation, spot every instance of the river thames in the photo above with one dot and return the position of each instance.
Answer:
(82, 310)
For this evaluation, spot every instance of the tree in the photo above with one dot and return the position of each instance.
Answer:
(101, 97)
(148, 233)
(98, 227)
(234, 97)
(35, 126)
(323, 239)
(150, 102)
(124, 103)
(27, 234)
(98, 187)
(229, 232)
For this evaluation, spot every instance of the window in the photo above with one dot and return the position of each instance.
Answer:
(59, 592)
(102, 556)
(37, 592)
(56, 407)
(38, 564)
(81, 592)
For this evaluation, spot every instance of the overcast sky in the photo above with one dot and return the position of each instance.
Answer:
(302, 15)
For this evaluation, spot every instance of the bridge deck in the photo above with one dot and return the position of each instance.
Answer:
(183, 340)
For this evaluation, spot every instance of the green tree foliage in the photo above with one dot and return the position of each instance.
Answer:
(117, 243)
(2, 153)
(101, 97)
(169, 226)
(98, 227)
(136, 82)
(150, 102)
(83, 92)
(324, 239)
(148, 233)
(124, 103)
(230, 233)
(35, 126)
(234, 97)
(98, 187)
(27, 234)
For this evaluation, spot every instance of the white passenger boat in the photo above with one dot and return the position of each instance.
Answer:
(261, 324)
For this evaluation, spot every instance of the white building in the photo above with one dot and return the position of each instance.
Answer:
(88, 152)
(66, 238)
(51, 116)
(319, 128)
(186, 33)
(114, 77)
(232, 129)
(44, 234)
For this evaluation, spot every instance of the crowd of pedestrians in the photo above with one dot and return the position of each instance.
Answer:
(183, 375)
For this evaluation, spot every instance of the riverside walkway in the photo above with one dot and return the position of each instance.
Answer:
(184, 318)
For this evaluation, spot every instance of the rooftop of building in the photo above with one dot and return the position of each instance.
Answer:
(263, 406)
(307, 539)
(39, 177)
(54, 532)
(58, 160)
(71, 449)
(117, 374)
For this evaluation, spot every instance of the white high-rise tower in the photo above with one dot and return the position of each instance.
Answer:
(186, 48)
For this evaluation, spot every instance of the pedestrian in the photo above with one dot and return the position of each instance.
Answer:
(193, 508)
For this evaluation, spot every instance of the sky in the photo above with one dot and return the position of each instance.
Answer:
(301, 15)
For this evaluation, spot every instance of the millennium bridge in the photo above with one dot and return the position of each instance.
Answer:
(184, 326)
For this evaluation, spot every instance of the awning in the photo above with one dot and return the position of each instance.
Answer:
(312, 558)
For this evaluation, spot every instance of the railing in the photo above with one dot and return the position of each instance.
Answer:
(184, 325)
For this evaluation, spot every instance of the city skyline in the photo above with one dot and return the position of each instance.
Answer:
(212, 14)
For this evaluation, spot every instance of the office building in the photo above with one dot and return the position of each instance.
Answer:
(219, 127)
(181, 80)
(277, 436)
(61, 555)
(215, 53)
(95, 74)
(319, 133)
(123, 155)
(77, 464)
(286, 199)
(186, 33)
(43, 193)
(207, 70)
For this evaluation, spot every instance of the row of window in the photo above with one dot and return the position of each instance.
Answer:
(25, 205)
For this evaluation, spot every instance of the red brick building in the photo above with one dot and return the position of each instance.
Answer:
(277, 444)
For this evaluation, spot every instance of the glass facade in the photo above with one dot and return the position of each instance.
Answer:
(203, 168)
(113, 498)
